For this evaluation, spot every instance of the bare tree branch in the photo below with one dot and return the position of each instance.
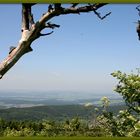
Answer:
(57, 6)
(46, 34)
(74, 5)
(83, 9)
(25, 19)
(11, 49)
(138, 29)
(52, 26)
(27, 16)
(138, 23)
(99, 16)
(138, 9)
(50, 8)
(31, 30)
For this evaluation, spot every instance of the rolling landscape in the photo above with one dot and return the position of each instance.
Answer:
(53, 105)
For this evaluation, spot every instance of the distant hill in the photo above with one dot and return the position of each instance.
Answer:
(53, 105)
(21, 100)
(55, 112)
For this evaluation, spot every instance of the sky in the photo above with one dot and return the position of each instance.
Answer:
(79, 56)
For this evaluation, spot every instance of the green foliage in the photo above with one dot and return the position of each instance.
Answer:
(23, 132)
(105, 102)
(129, 88)
(128, 121)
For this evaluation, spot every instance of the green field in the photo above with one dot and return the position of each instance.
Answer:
(69, 138)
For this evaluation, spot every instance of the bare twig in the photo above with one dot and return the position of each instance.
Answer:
(45, 34)
(50, 8)
(11, 49)
(99, 16)
(74, 5)
(52, 26)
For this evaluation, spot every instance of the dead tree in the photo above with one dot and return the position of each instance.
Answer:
(32, 30)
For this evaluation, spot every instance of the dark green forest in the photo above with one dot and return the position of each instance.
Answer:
(52, 121)
(67, 120)
(55, 112)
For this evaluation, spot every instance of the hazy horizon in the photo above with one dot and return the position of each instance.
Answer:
(23, 99)
(56, 94)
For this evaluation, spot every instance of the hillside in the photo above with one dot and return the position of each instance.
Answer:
(55, 112)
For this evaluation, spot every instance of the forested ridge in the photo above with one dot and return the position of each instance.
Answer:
(55, 112)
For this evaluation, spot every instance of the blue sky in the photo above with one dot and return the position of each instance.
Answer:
(79, 56)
